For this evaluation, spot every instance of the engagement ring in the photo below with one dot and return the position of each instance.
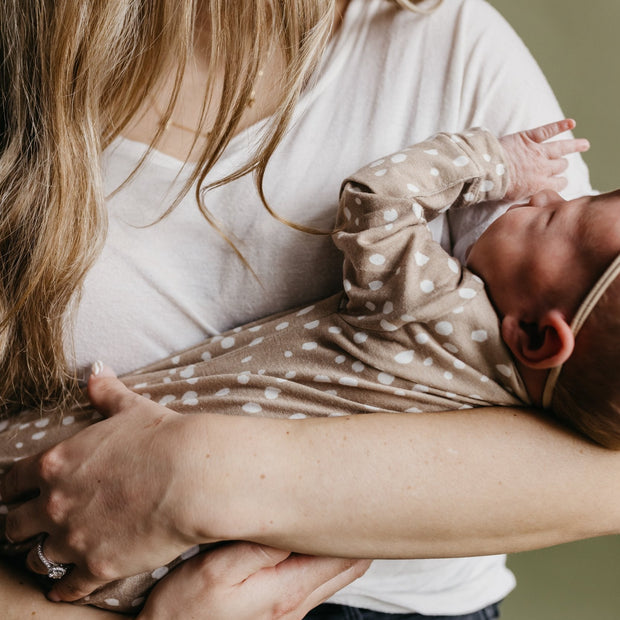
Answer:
(55, 570)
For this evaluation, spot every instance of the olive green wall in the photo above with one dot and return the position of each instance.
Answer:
(577, 44)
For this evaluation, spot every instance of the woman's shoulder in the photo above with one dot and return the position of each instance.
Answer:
(470, 19)
(377, 34)
(381, 38)
(465, 41)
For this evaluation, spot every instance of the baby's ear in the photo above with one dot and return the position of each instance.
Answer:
(544, 344)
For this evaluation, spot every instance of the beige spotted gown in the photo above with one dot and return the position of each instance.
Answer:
(412, 331)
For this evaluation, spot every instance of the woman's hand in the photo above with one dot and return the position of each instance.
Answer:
(535, 164)
(109, 498)
(247, 581)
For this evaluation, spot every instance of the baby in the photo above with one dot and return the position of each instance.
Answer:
(413, 329)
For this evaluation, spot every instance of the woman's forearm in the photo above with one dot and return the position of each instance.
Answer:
(421, 485)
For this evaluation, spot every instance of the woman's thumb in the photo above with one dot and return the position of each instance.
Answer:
(106, 392)
(241, 560)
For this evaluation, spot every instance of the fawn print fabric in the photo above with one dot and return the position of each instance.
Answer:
(412, 331)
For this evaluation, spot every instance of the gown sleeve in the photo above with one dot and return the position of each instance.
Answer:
(394, 273)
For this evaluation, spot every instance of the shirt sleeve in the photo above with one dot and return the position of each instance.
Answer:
(393, 271)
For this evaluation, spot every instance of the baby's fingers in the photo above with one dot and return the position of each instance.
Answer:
(543, 133)
(556, 166)
(560, 148)
(557, 184)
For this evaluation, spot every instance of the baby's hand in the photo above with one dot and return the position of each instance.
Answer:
(535, 164)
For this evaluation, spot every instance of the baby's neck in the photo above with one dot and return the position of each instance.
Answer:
(534, 381)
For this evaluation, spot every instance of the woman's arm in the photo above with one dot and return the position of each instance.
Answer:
(419, 485)
(422, 485)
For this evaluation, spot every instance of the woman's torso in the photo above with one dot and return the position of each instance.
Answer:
(390, 79)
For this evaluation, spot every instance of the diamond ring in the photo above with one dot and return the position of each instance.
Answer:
(55, 570)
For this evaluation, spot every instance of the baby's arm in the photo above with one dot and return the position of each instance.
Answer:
(393, 270)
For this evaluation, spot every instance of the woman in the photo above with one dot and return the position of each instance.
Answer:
(387, 79)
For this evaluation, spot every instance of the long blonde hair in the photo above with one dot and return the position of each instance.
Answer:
(73, 75)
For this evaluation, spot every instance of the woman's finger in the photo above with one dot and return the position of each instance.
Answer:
(20, 481)
(25, 521)
(266, 583)
(107, 393)
(34, 561)
(351, 570)
(300, 583)
(234, 563)
(310, 573)
(77, 584)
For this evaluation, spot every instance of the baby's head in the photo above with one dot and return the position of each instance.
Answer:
(540, 261)
(585, 391)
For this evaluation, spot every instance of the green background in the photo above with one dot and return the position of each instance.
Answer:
(577, 44)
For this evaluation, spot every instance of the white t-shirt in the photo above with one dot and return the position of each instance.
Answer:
(390, 78)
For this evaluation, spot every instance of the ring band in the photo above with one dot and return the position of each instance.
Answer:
(55, 570)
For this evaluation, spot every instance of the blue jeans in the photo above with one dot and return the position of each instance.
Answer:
(328, 611)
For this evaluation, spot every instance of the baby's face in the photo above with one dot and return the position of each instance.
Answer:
(548, 244)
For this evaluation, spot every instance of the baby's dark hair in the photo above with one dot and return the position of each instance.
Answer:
(587, 393)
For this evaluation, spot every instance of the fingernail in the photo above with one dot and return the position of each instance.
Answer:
(52, 596)
(99, 369)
